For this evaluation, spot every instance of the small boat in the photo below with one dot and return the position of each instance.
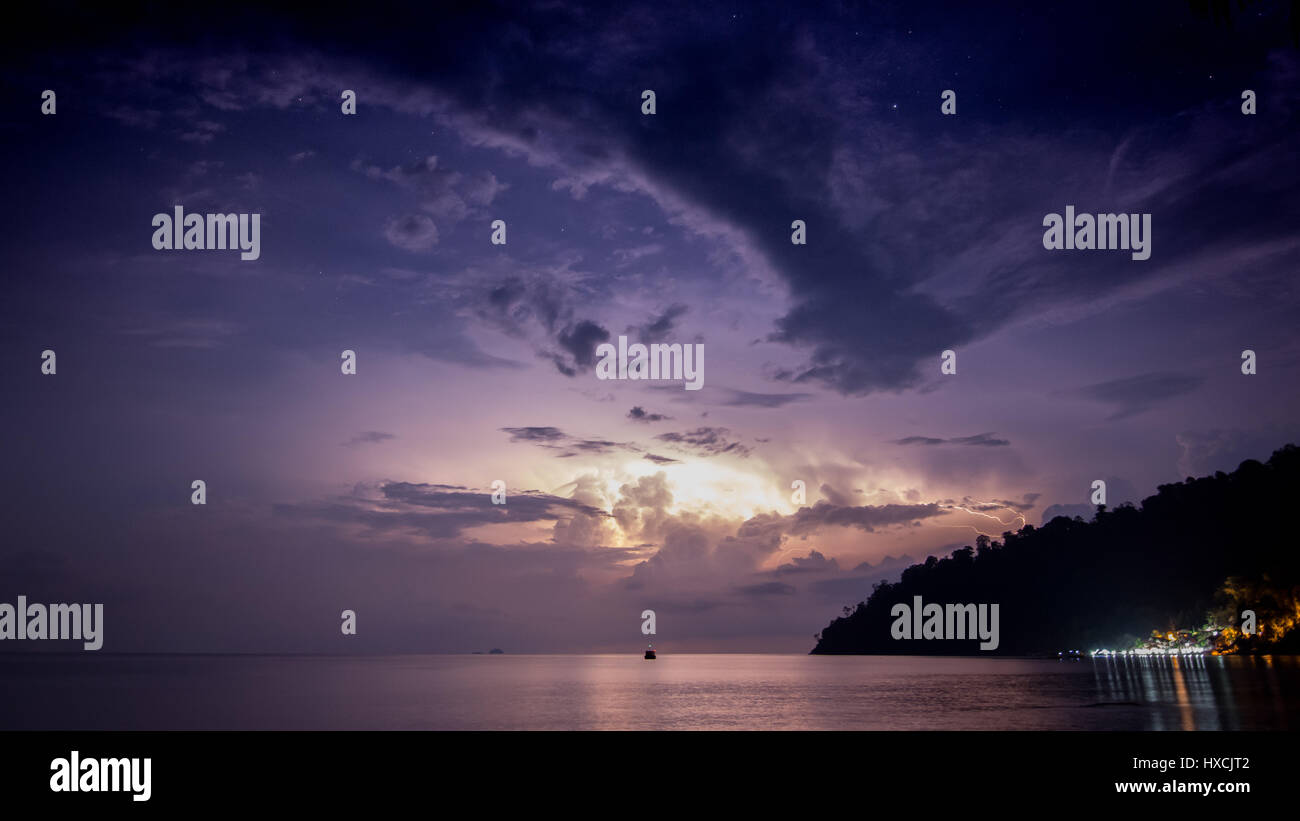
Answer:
(650, 652)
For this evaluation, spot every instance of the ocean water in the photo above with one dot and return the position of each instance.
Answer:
(618, 692)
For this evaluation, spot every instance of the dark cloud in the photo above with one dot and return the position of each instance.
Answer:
(540, 435)
(525, 504)
(369, 437)
(746, 399)
(578, 342)
(1028, 503)
(437, 511)
(568, 446)
(864, 517)
(891, 204)
(834, 496)
(579, 447)
(658, 327)
(1136, 394)
(814, 562)
(705, 441)
(979, 439)
(639, 414)
(510, 305)
(662, 460)
(543, 309)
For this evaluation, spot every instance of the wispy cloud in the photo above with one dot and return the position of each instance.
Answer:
(707, 441)
(369, 437)
(1135, 394)
(987, 440)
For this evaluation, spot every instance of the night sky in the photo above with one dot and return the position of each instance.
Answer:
(476, 362)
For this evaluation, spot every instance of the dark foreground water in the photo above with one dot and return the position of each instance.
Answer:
(675, 692)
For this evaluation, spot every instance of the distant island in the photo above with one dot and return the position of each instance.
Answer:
(1178, 571)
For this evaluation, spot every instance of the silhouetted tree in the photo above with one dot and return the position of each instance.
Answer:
(1076, 584)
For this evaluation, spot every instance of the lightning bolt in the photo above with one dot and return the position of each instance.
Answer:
(1014, 517)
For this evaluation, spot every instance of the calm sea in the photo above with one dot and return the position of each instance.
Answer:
(674, 692)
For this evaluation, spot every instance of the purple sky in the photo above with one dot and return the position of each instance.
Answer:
(370, 492)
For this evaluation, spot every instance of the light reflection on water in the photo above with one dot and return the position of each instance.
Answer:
(1208, 692)
(793, 692)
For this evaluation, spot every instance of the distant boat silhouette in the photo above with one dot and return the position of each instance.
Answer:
(650, 652)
